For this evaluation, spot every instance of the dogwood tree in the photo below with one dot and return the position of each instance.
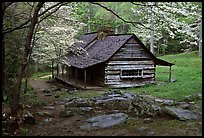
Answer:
(55, 35)
(175, 20)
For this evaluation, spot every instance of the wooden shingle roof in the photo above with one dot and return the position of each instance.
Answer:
(99, 51)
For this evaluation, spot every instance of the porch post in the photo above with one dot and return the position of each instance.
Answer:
(62, 70)
(170, 74)
(85, 78)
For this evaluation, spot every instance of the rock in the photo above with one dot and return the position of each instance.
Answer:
(56, 89)
(131, 103)
(166, 102)
(114, 95)
(181, 114)
(80, 110)
(103, 97)
(114, 103)
(159, 100)
(186, 106)
(141, 129)
(114, 111)
(48, 120)
(104, 121)
(116, 91)
(79, 103)
(193, 97)
(44, 113)
(67, 99)
(170, 102)
(173, 80)
(59, 102)
(49, 107)
(150, 133)
(129, 95)
(66, 113)
(148, 120)
(46, 91)
(48, 94)
(85, 109)
(140, 107)
(70, 92)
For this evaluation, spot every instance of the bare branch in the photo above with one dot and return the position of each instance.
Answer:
(10, 64)
(9, 30)
(30, 4)
(131, 22)
(142, 4)
(52, 12)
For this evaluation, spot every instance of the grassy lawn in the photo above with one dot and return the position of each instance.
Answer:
(187, 71)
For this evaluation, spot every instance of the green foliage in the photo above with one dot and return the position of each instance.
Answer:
(99, 16)
(30, 98)
(23, 131)
(187, 71)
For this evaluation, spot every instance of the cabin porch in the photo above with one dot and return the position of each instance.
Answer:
(87, 78)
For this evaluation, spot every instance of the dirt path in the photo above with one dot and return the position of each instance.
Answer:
(51, 124)
(38, 86)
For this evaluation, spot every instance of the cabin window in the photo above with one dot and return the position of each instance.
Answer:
(131, 73)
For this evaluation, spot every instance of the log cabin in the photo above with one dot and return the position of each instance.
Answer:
(111, 60)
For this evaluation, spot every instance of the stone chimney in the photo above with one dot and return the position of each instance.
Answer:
(103, 31)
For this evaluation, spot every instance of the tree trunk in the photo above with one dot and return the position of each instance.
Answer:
(152, 38)
(116, 19)
(3, 47)
(152, 34)
(89, 17)
(26, 83)
(16, 93)
(200, 40)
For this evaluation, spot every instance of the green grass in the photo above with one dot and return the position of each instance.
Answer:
(38, 75)
(81, 94)
(187, 71)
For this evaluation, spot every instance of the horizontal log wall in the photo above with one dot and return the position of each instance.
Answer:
(130, 56)
(133, 50)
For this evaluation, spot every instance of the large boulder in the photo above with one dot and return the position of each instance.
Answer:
(114, 103)
(104, 121)
(181, 114)
(67, 112)
(80, 102)
(141, 107)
